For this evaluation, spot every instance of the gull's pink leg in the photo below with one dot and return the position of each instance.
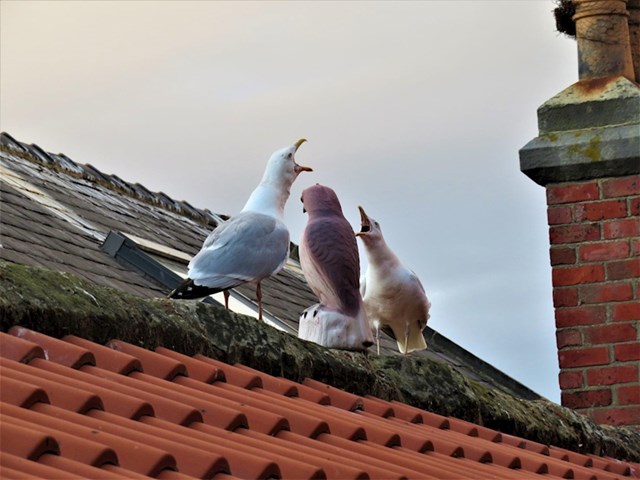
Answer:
(259, 296)
(226, 299)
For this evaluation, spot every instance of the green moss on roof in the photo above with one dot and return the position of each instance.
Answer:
(59, 304)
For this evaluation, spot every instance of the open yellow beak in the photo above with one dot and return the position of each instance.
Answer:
(365, 223)
(301, 168)
(299, 142)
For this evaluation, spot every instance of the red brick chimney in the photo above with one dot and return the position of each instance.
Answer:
(587, 156)
(594, 230)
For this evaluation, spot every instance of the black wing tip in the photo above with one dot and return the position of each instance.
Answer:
(188, 290)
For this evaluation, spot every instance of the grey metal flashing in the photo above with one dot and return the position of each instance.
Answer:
(127, 253)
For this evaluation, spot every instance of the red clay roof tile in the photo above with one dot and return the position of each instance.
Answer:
(112, 400)
(377, 407)
(272, 384)
(309, 456)
(19, 393)
(613, 466)
(129, 475)
(106, 357)
(246, 462)
(344, 457)
(132, 455)
(307, 393)
(79, 449)
(234, 376)
(71, 466)
(367, 450)
(196, 369)
(56, 350)
(152, 363)
(173, 475)
(58, 394)
(415, 415)
(257, 406)
(178, 418)
(25, 442)
(297, 467)
(18, 349)
(193, 458)
(339, 398)
(32, 469)
(468, 428)
(256, 418)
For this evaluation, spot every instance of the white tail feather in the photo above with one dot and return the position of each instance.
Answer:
(412, 341)
(334, 329)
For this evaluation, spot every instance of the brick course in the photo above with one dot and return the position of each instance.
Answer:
(602, 251)
(629, 395)
(571, 379)
(623, 269)
(626, 311)
(612, 375)
(593, 211)
(611, 333)
(621, 228)
(594, 233)
(583, 357)
(586, 399)
(627, 352)
(563, 255)
(608, 292)
(570, 317)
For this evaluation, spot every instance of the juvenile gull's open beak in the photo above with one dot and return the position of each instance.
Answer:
(365, 223)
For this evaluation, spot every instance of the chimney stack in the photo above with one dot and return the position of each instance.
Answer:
(587, 156)
(634, 35)
(602, 33)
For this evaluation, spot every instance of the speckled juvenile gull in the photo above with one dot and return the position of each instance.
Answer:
(251, 245)
(394, 298)
(331, 265)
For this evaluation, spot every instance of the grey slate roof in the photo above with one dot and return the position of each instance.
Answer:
(57, 213)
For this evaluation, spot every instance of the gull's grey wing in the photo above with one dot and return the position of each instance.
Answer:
(248, 247)
(331, 246)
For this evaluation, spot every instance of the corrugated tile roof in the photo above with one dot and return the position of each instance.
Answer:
(71, 408)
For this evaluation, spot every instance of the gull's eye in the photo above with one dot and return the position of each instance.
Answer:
(289, 155)
(377, 224)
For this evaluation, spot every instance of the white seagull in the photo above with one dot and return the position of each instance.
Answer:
(331, 266)
(251, 245)
(394, 298)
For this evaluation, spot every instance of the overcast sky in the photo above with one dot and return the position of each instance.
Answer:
(414, 110)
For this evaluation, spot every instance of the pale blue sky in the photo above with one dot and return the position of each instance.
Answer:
(415, 110)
